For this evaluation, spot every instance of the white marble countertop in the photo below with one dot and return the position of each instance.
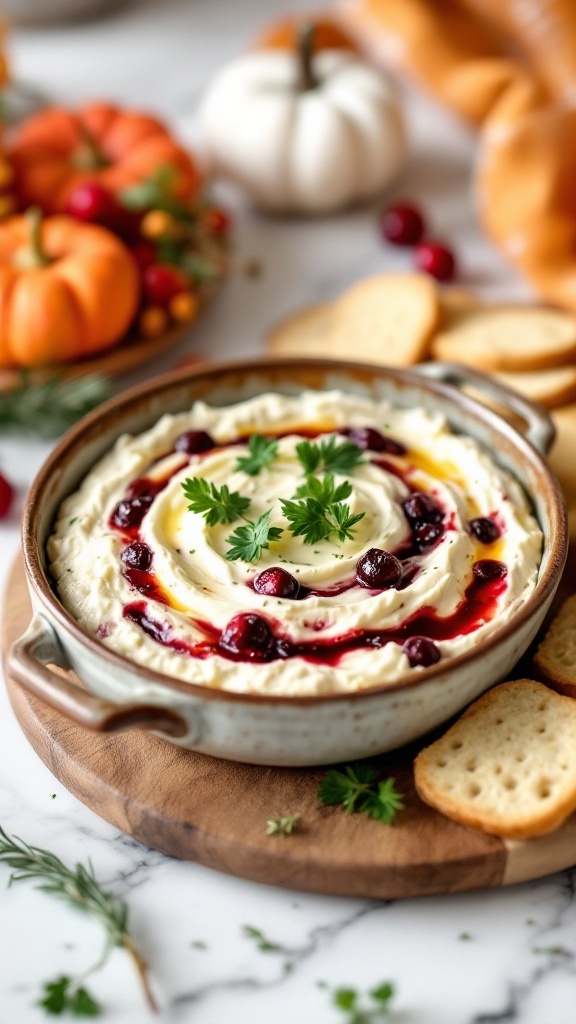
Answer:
(519, 960)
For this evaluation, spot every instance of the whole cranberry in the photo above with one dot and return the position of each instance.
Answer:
(194, 442)
(162, 282)
(488, 569)
(6, 496)
(484, 530)
(422, 508)
(421, 651)
(217, 220)
(369, 439)
(426, 534)
(248, 635)
(137, 556)
(131, 511)
(402, 224)
(277, 582)
(435, 259)
(378, 569)
(90, 201)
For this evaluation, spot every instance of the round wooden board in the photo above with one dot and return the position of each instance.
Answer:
(214, 812)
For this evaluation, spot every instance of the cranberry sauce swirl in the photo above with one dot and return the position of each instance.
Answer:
(437, 543)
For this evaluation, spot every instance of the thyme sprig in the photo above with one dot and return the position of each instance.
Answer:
(48, 409)
(79, 888)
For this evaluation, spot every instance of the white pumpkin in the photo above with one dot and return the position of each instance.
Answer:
(313, 149)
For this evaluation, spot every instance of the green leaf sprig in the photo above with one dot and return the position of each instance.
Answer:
(282, 825)
(48, 409)
(357, 1009)
(357, 789)
(64, 996)
(320, 510)
(216, 504)
(248, 541)
(262, 452)
(331, 456)
(78, 887)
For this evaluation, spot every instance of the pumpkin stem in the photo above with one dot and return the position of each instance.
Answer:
(32, 255)
(306, 35)
(88, 156)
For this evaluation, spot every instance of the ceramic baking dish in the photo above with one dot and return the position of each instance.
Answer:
(119, 694)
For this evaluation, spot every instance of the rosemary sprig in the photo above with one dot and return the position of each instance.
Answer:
(50, 408)
(79, 888)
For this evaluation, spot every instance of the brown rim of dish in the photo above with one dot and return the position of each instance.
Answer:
(177, 379)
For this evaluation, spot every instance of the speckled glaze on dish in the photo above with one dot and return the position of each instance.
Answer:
(280, 730)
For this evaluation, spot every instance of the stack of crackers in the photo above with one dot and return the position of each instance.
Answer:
(404, 319)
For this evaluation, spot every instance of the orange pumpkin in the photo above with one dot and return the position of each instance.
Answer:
(67, 290)
(57, 149)
(283, 34)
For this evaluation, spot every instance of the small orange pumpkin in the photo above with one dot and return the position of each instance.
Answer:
(283, 34)
(57, 149)
(67, 290)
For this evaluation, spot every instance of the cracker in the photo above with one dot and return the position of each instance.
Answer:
(302, 333)
(550, 388)
(386, 319)
(555, 659)
(562, 454)
(508, 338)
(508, 765)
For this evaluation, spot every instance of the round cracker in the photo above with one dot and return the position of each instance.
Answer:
(302, 333)
(386, 319)
(550, 388)
(508, 338)
(561, 456)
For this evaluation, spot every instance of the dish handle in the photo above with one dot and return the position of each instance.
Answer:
(28, 664)
(540, 430)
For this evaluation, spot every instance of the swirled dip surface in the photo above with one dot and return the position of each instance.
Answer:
(152, 579)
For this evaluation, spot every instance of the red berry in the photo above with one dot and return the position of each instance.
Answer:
(194, 442)
(131, 511)
(369, 439)
(435, 259)
(6, 496)
(138, 556)
(422, 508)
(488, 569)
(247, 635)
(484, 529)
(162, 283)
(402, 224)
(145, 254)
(378, 569)
(92, 202)
(421, 651)
(277, 582)
(217, 221)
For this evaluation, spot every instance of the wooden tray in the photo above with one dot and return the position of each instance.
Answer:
(215, 812)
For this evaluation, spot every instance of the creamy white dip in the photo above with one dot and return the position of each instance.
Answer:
(202, 588)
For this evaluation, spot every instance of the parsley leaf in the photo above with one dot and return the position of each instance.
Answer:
(262, 943)
(356, 789)
(307, 519)
(61, 996)
(263, 451)
(343, 521)
(324, 490)
(217, 504)
(331, 455)
(368, 1009)
(246, 542)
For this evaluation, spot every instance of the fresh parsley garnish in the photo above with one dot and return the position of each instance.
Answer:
(357, 789)
(262, 451)
(325, 490)
(61, 996)
(246, 542)
(282, 825)
(216, 504)
(262, 943)
(332, 456)
(314, 520)
(358, 1010)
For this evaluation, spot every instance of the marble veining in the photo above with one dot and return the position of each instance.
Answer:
(475, 958)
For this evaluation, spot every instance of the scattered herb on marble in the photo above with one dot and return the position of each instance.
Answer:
(50, 408)
(247, 542)
(216, 504)
(554, 951)
(262, 943)
(63, 995)
(78, 887)
(357, 1007)
(465, 937)
(283, 825)
(357, 788)
(330, 455)
(261, 453)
